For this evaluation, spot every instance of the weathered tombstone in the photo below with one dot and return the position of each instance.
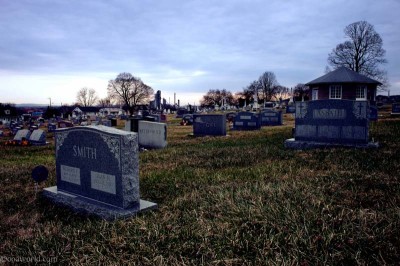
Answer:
(247, 121)
(209, 125)
(270, 117)
(395, 109)
(97, 171)
(152, 135)
(324, 123)
(291, 109)
(22, 134)
(38, 137)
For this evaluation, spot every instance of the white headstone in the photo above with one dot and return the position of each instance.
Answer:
(152, 134)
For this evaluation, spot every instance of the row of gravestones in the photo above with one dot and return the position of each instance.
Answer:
(36, 137)
(97, 167)
(215, 125)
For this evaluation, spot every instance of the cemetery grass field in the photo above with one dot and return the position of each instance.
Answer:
(240, 199)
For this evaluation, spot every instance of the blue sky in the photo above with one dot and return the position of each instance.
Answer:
(51, 48)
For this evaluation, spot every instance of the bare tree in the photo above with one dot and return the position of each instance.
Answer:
(86, 97)
(130, 90)
(215, 97)
(281, 92)
(268, 85)
(106, 102)
(302, 91)
(362, 53)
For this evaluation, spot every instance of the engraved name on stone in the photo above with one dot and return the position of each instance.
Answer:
(245, 117)
(84, 152)
(150, 131)
(103, 182)
(71, 174)
(329, 113)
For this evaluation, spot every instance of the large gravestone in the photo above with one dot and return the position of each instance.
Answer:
(270, 117)
(324, 123)
(152, 135)
(395, 109)
(246, 121)
(208, 124)
(22, 134)
(97, 171)
(38, 137)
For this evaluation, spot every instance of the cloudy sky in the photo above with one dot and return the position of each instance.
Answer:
(52, 48)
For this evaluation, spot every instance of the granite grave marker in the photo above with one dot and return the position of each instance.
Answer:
(152, 135)
(247, 121)
(334, 122)
(38, 137)
(270, 117)
(209, 124)
(97, 170)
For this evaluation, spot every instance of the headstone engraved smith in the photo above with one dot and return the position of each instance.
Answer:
(97, 171)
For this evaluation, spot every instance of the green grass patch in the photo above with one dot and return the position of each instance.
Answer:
(241, 199)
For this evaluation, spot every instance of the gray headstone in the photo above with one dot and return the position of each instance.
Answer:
(22, 133)
(246, 121)
(97, 171)
(270, 117)
(337, 122)
(38, 137)
(152, 135)
(207, 124)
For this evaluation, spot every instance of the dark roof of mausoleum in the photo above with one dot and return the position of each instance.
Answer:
(343, 75)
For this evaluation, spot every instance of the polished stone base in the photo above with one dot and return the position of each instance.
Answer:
(85, 205)
(305, 145)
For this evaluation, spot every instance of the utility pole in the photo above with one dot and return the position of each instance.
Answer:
(50, 101)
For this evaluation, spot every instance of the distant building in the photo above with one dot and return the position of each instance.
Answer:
(115, 111)
(8, 113)
(85, 111)
(345, 84)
